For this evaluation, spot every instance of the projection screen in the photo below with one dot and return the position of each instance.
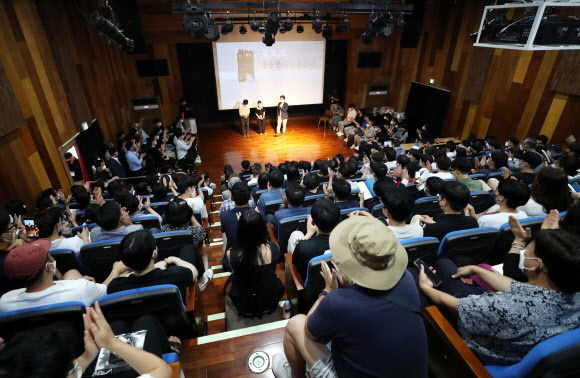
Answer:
(293, 66)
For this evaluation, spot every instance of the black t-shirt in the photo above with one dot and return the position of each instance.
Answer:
(229, 221)
(306, 250)
(526, 177)
(173, 275)
(447, 223)
(186, 110)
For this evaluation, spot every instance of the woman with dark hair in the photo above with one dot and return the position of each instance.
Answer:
(503, 325)
(256, 289)
(549, 191)
(569, 164)
(179, 216)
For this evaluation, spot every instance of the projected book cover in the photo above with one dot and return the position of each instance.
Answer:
(245, 65)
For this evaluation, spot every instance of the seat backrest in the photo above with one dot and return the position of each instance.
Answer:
(99, 258)
(480, 200)
(170, 243)
(328, 113)
(197, 215)
(421, 248)
(74, 230)
(310, 200)
(71, 313)
(427, 206)
(494, 174)
(205, 192)
(559, 356)
(271, 207)
(67, 259)
(289, 225)
(160, 207)
(5, 283)
(506, 238)
(162, 301)
(344, 212)
(147, 221)
(314, 283)
(478, 176)
(468, 247)
(258, 194)
(378, 211)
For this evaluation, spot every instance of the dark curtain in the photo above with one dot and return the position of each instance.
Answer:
(91, 144)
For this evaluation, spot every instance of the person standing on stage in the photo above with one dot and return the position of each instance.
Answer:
(282, 111)
(261, 115)
(245, 118)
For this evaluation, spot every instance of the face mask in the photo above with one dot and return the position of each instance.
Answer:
(523, 258)
(506, 144)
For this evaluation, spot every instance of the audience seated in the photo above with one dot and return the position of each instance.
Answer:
(20, 356)
(357, 330)
(549, 191)
(191, 192)
(550, 262)
(453, 199)
(341, 193)
(31, 266)
(273, 194)
(461, 168)
(291, 205)
(49, 223)
(262, 185)
(324, 216)
(229, 218)
(397, 207)
(256, 289)
(113, 222)
(510, 195)
(139, 252)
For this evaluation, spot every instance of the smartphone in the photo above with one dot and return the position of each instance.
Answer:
(417, 175)
(546, 155)
(30, 227)
(432, 276)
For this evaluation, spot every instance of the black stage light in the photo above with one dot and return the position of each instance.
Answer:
(400, 22)
(327, 31)
(268, 39)
(317, 23)
(262, 28)
(195, 21)
(111, 32)
(227, 27)
(243, 29)
(255, 25)
(271, 28)
(282, 30)
(366, 38)
(213, 31)
(287, 25)
(343, 25)
(386, 30)
(299, 29)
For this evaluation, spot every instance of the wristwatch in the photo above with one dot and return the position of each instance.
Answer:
(323, 293)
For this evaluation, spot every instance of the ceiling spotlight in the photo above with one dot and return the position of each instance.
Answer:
(400, 22)
(195, 21)
(327, 31)
(299, 29)
(288, 24)
(110, 31)
(271, 28)
(213, 31)
(255, 25)
(366, 38)
(387, 30)
(317, 23)
(243, 29)
(343, 25)
(262, 28)
(227, 27)
(282, 30)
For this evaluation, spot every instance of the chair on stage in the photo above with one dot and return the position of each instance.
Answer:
(325, 118)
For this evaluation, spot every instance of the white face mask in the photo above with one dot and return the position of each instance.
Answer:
(53, 266)
(523, 258)
(506, 144)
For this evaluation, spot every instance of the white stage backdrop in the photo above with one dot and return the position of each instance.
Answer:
(253, 71)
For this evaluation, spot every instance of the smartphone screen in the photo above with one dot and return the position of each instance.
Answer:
(432, 276)
(30, 227)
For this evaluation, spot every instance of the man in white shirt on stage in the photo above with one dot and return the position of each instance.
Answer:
(245, 118)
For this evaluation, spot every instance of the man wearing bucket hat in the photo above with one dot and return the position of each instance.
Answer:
(32, 266)
(370, 327)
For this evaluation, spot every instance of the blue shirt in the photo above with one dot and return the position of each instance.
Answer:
(133, 160)
(272, 195)
(370, 335)
(288, 212)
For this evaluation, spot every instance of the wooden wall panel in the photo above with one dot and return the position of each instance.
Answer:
(566, 78)
(477, 76)
(11, 116)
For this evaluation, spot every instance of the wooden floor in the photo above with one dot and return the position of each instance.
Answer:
(224, 144)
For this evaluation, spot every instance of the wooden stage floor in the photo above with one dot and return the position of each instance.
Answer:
(223, 144)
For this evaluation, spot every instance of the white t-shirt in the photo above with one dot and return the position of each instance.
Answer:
(410, 231)
(498, 219)
(197, 205)
(533, 209)
(75, 243)
(80, 290)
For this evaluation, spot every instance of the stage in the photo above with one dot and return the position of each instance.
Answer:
(221, 144)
